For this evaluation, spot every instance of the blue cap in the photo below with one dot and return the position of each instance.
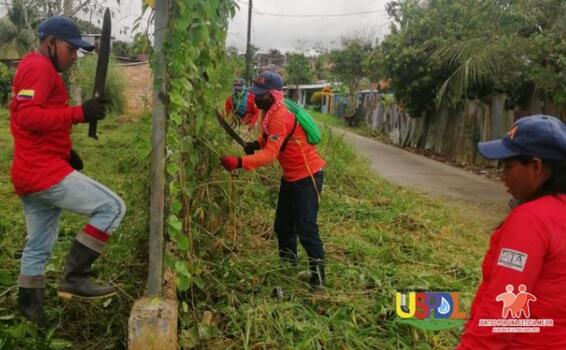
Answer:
(540, 136)
(267, 81)
(65, 29)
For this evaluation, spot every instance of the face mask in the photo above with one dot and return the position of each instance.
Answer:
(264, 105)
(53, 56)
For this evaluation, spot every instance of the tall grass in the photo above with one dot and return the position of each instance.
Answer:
(378, 238)
(119, 160)
(83, 74)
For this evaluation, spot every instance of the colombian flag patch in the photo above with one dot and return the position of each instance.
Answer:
(25, 95)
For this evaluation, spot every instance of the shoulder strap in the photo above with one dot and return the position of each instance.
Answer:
(288, 137)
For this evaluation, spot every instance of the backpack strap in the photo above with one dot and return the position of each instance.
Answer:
(288, 137)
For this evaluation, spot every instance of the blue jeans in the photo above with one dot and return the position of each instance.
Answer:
(296, 215)
(76, 193)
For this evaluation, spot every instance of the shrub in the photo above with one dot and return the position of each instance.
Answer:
(6, 76)
(83, 75)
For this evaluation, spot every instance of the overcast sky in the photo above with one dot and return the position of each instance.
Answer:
(294, 22)
(283, 32)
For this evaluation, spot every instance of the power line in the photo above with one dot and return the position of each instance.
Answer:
(267, 13)
(321, 15)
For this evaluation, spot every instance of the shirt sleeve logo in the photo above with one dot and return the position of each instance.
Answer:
(25, 95)
(512, 259)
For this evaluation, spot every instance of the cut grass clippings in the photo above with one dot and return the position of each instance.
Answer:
(378, 237)
(119, 159)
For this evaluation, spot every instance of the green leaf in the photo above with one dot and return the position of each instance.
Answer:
(183, 282)
(183, 243)
(175, 223)
(172, 168)
(181, 267)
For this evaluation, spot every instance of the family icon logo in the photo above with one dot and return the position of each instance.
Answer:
(431, 310)
(515, 306)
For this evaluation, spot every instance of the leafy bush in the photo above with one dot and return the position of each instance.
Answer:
(83, 75)
(6, 76)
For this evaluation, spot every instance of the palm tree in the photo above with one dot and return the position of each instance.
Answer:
(16, 34)
(477, 63)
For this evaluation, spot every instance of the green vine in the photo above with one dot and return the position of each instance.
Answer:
(195, 53)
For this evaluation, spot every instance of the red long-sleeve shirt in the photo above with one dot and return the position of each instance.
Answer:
(40, 123)
(252, 112)
(528, 248)
(299, 159)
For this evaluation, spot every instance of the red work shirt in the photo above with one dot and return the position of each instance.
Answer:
(40, 123)
(299, 159)
(528, 248)
(252, 112)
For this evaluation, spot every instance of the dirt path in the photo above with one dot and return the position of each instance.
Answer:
(430, 176)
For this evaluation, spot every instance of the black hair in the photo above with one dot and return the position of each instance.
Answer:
(556, 183)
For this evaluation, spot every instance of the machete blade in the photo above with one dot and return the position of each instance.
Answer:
(101, 65)
(229, 130)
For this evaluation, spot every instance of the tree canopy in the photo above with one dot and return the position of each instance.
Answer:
(441, 52)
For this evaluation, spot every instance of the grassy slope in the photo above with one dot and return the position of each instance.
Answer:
(117, 160)
(379, 238)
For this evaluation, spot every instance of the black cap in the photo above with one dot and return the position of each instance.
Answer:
(65, 29)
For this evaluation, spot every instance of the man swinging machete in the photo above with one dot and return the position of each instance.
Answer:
(284, 139)
(46, 171)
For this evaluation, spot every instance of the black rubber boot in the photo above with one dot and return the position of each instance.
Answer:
(317, 277)
(30, 303)
(76, 281)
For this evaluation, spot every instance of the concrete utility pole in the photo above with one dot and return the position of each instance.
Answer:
(68, 8)
(153, 320)
(248, 74)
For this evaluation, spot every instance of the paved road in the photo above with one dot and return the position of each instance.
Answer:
(433, 177)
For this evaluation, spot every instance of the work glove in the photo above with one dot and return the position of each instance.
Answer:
(75, 161)
(94, 109)
(231, 163)
(251, 147)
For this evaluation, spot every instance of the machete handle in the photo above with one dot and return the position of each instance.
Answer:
(92, 130)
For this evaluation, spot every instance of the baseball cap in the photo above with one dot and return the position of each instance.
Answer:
(540, 136)
(267, 81)
(65, 29)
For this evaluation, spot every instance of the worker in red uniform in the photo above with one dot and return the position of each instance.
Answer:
(526, 260)
(45, 171)
(242, 104)
(284, 139)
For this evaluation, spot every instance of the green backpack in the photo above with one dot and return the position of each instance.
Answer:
(305, 121)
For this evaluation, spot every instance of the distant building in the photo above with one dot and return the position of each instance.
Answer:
(304, 92)
(94, 39)
(272, 60)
